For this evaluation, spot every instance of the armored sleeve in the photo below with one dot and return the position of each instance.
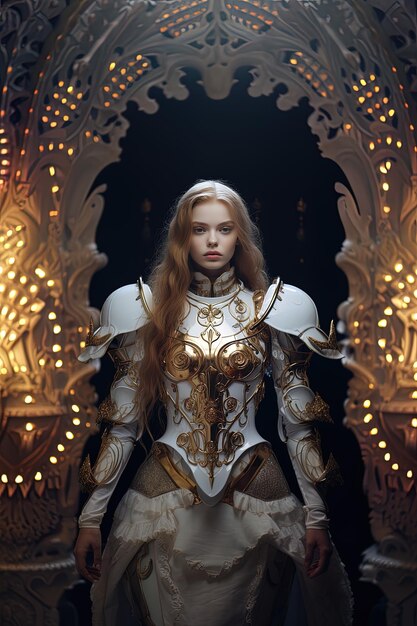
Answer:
(299, 411)
(118, 412)
(123, 313)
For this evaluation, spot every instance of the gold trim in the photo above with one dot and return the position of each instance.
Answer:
(332, 474)
(106, 410)
(221, 286)
(179, 478)
(90, 340)
(87, 481)
(222, 304)
(294, 371)
(258, 300)
(86, 475)
(275, 297)
(318, 410)
(261, 454)
(243, 480)
(330, 343)
(133, 580)
(325, 472)
(142, 298)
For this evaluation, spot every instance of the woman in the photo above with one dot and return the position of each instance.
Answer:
(202, 534)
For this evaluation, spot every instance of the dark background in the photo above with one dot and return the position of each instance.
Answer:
(271, 158)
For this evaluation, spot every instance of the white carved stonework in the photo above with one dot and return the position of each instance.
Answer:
(67, 71)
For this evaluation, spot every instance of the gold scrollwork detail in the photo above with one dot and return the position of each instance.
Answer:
(106, 410)
(318, 410)
(310, 457)
(108, 461)
(295, 370)
(236, 360)
(239, 310)
(183, 359)
(90, 340)
(189, 404)
(213, 414)
(258, 299)
(330, 343)
(230, 404)
(210, 315)
(87, 481)
(205, 453)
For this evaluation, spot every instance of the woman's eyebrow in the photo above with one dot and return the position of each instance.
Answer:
(221, 223)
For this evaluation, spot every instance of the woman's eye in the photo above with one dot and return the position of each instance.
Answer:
(198, 230)
(226, 229)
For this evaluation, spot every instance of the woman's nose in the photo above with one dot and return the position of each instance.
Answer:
(212, 240)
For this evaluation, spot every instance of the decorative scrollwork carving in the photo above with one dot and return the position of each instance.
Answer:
(329, 51)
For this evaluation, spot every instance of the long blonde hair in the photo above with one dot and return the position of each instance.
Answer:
(171, 277)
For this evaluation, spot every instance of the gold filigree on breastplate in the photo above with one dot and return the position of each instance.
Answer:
(237, 360)
(210, 362)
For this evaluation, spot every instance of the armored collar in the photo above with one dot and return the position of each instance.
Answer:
(224, 285)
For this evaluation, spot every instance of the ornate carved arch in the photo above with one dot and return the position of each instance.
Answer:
(67, 73)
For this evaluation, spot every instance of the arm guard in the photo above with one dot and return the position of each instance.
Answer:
(118, 410)
(299, 409)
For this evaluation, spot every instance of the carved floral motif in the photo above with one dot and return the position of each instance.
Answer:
(67, 71)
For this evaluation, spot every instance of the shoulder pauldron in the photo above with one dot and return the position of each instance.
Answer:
(291, 310)
(126, 310)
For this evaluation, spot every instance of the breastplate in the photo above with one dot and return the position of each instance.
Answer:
(213, 377)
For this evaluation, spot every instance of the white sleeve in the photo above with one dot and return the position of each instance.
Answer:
(120, 414)
(299, 408)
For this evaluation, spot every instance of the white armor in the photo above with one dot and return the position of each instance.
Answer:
(213, 370)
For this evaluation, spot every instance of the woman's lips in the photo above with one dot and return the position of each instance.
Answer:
(214, 254)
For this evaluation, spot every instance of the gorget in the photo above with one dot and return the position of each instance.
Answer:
(213, 379)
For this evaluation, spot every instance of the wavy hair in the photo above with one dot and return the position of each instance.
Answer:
(171, 276)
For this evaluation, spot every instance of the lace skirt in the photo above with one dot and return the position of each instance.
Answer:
(222, 565)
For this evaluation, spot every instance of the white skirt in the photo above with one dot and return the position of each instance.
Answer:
(210, 562)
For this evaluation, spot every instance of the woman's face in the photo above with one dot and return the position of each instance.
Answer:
(213, 238)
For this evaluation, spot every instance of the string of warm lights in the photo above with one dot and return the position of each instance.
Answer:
(371, 418)
(27, 294)
(23, 295)
(375, 104)
(180, 18)
(5, 157)
(121, 77)
(400, 290)
(62, 109)
(54, 457)
(19, 296)
(256, 14)
(314, 75)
